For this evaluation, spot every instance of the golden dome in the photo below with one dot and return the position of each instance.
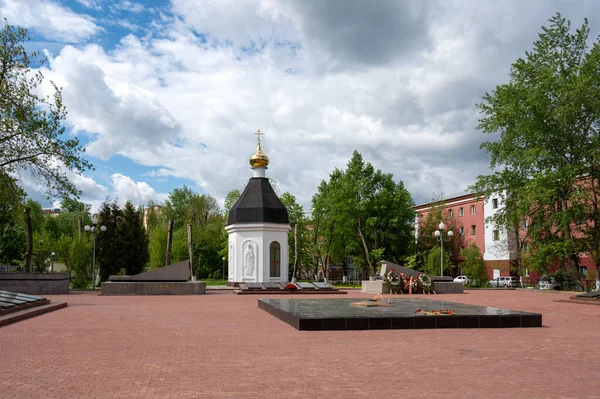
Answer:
(259, 159)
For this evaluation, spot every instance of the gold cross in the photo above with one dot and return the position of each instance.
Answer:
(258, 133)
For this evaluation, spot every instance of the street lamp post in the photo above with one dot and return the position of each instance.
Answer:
(52, 261)
(93, 230)
(224, 267)
(439, 234)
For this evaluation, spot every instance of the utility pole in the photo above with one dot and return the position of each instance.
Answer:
(191, 251)
(169, 242)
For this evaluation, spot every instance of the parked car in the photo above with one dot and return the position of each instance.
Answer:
(506, 281)
(546, 283)
(461, 279)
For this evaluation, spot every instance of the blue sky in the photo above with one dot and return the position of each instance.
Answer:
(167, 93)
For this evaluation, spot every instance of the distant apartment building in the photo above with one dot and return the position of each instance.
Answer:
(468, 213)
(52, 211)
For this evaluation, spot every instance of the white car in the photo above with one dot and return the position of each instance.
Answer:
(461, 279)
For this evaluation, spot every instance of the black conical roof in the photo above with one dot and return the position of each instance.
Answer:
(258, 204)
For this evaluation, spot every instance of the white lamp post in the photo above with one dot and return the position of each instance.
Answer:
(439, 234)
(93, 230)
(52, 261)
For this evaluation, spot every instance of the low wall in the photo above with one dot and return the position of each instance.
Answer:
(35, 283)
(154, 288)
(443, 287)
(375, 287)
(440, 287)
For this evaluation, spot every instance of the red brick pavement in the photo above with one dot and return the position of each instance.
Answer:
(222, 346)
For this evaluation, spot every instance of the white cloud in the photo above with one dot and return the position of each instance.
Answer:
(187, 106)
(50, 19)
(139, 193)
(92, 4)
(129, 6)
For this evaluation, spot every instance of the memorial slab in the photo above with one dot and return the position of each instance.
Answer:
(177, 272)
(306, 286)
(397, 313)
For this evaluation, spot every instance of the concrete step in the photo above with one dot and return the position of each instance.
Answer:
(31, 311)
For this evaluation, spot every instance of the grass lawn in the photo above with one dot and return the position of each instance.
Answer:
(212, 281)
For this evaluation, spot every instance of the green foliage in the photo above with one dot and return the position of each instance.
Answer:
(297, 218)
(433, 262)
(426, 239)
(230, 199)
(547, 117)
(411, 261)
(133, 240)
(12, 231)
(362, 209)
(80, 262)
(158, 247)
(185, 206)
(473, 265)
(32, 135)
(108, 247)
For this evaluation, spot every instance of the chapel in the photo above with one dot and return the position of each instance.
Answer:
(258, 227)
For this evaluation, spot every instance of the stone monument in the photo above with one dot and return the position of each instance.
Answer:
(166, 280)
(258, 227)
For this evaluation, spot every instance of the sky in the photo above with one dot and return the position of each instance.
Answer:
(169, 93)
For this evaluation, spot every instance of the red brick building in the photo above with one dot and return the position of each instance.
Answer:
(468, 213)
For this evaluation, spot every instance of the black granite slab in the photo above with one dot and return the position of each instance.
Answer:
(306, 286)
(254, 286)
(592, 294)
(323, 286)
(271, 286)
(337, 314)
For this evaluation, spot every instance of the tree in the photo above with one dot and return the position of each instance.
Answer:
(32, 137)
(12, 231)
(473, 265)
(426, 239)
(109, 252)
(434, 261)
(80, 262)
(230, 199)
(547, 117)
(297, 237)
(185, 206)
(133, 240)
(362, 208)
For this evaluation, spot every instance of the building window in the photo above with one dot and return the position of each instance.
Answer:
(460, 212)
(524, 247)
(525, 223)
(584, 271)
(462, 231)
(421, 217)
(472, 209)
(473, 231)
(495, 235)
(450, 212)
(275, 259)
(450, 252)
(495, 203)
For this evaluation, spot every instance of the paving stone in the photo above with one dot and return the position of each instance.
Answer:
(221, 345)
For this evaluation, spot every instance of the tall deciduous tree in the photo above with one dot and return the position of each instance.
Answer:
(32, 135)
(368, 203)
(547, 117)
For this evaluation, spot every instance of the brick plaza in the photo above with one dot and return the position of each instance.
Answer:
(222, 346)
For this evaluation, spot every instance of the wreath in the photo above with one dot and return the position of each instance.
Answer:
(394, 281)
(425, 282)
